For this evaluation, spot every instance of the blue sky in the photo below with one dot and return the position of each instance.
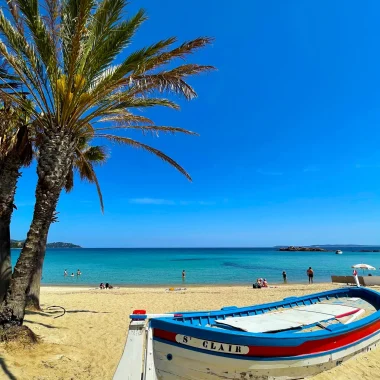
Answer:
(288, 151)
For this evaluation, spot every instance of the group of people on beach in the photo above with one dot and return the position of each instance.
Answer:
(105, 286)
(260, 283)
(72, 274)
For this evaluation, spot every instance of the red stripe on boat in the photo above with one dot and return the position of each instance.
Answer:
(306, 348)
(162, 334)
(348, 313)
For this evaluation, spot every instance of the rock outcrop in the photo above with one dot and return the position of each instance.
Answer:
(302, 249)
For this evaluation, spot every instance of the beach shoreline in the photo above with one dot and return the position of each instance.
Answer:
(179, 285)
(87, 342)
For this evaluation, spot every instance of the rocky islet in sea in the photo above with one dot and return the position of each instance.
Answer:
(303, 249)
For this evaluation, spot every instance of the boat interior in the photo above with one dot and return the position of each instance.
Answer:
(324, 311)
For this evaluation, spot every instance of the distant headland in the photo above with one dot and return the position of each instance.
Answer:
(59, 244)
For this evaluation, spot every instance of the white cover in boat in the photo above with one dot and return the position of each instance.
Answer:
(288, 318)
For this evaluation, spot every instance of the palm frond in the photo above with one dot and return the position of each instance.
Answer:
(125, 118)
(24, 145)
(156, 152)
(113, 38)
(69, 182)
(119, 104)
(181, 51)
(149, 128)
(41, 37)
(14, 135)
(137, 60)
(96, 154)
(25, 62)
(86, 172)
(170, 81)
(53, 8)
(13, 9)
(75, 15)
(124, 102)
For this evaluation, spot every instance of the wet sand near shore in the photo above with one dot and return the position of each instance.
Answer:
(87, 342)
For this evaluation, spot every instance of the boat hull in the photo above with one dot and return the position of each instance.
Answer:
(175, 362)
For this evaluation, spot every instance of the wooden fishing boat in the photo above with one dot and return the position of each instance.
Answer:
(290, 339)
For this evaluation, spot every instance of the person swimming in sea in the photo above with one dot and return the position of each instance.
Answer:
(183, 274)
(79, 272)
(72, 274)
(65, 272)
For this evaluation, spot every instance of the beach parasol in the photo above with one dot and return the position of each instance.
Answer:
(363, 266)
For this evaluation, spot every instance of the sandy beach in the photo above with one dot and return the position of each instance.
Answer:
(87, 342)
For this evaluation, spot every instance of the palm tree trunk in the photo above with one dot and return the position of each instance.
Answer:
(10, 167)
(33, 298)
(56, 157)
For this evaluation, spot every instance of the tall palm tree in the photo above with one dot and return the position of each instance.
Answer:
(68, 58)
(15, 152)
(10, 170)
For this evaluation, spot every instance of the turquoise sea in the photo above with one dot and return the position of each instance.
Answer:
(203, 266)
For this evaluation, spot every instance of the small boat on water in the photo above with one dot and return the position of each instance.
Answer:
(294, 338)
(338, 252)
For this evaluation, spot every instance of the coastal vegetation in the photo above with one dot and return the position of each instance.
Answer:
(67, 55)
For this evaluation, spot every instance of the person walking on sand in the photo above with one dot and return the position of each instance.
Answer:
(284, 276)
(310, 274)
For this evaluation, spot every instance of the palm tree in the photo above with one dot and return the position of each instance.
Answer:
(86, 157)
(15, 152)
(68, 58)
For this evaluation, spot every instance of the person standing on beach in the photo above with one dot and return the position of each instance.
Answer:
(310, 274)
(284, 276)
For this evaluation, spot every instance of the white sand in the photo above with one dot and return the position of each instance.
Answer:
(88, 341)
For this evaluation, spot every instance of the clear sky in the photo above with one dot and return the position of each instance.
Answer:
(289, 128)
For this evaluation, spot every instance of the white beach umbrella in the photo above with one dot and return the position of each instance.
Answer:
(364, 266)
